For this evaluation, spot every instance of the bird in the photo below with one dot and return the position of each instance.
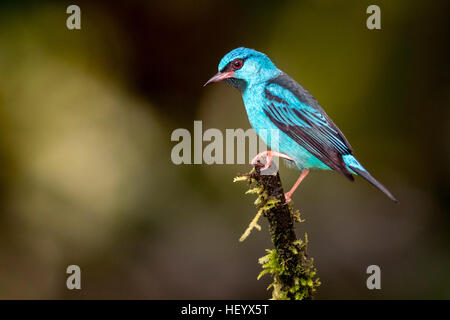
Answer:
(300, 130)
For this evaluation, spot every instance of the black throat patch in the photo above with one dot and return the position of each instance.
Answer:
(239, 84)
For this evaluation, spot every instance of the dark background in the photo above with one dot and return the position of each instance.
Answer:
(86, 176)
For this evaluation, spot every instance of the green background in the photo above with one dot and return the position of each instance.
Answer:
(85, 123)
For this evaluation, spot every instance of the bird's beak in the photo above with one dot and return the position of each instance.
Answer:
(220, 76)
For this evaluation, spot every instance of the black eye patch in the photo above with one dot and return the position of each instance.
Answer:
(234, 65)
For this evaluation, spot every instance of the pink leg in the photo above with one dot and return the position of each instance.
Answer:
(288, 195)
(269, 154)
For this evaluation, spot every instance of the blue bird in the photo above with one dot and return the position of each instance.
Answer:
(275, 103)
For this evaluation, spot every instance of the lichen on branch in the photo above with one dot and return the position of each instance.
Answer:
(293, 272)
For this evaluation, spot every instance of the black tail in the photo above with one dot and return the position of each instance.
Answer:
(366, 175)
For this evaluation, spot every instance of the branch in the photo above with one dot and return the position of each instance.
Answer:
(294, 275)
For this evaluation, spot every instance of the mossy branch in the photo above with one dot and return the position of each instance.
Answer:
(293, 272)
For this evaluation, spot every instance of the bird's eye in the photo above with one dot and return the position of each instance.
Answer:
(238, 63)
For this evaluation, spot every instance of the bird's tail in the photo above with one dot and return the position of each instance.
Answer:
(357, 168)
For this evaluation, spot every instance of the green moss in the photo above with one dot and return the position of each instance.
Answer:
(294, 275)
(304, 282)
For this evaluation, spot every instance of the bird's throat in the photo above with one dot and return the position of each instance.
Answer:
(240, 84)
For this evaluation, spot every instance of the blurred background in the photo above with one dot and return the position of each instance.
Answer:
(86, 176)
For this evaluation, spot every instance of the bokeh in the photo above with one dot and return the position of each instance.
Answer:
(86, 176)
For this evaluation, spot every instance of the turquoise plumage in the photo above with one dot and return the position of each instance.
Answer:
(288, 118)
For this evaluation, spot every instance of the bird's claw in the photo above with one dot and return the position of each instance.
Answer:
(287, 197)
(256, 161)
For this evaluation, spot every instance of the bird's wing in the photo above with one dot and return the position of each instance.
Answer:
(295, 111)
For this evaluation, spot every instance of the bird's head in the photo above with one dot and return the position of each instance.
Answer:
(242, 67)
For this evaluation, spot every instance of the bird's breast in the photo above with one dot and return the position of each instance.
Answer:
(254, 102)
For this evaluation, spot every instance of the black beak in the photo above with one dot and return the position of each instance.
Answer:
(220, 76)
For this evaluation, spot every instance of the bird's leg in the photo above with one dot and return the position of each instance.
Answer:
(288, 194)
(268, 155)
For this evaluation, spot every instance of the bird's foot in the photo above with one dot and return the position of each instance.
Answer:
(256, 161)
(268, 155)
(287, 197)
